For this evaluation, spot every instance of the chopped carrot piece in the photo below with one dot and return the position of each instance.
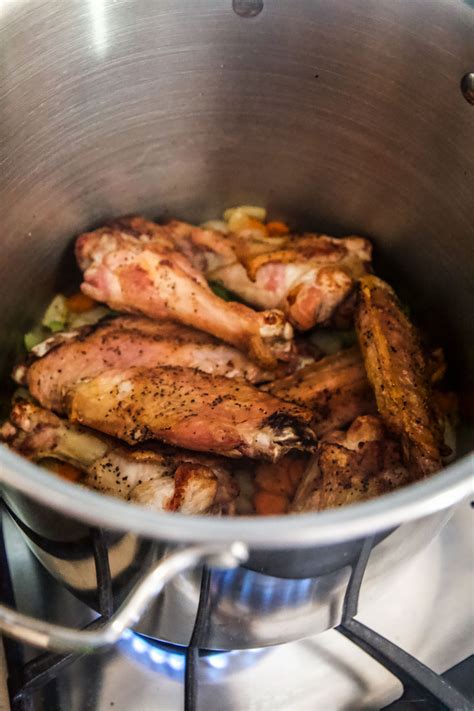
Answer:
(78, 303)
(273, 478)
(267, 504)
(240, 221)
(63, 469)
(277, 228)
(296, 470)
(254, 224)
(281, 478)
(267, 483)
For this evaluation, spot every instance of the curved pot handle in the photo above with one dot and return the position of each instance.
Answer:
(65, 639)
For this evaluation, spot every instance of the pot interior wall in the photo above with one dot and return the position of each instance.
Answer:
(335, 115)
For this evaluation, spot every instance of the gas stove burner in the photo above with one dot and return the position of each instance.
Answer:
(324, 671)
(169, 659)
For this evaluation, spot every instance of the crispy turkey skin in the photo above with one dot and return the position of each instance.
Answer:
(161, 478)
(356, 465)
(124, 342)
(397, 371)
(335, 388)
(190, 409)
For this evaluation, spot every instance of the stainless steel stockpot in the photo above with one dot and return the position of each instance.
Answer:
(342, 116)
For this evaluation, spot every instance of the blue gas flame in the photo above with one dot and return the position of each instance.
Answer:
(170, 660)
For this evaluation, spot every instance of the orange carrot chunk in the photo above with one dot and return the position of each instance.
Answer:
(267, 504)
(282, 477)
(78, 303)
(277, 228)
(63, 469)
(254, 224)
(273, 479)
(296, 471)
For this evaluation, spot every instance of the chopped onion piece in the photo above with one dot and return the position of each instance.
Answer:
(217, 225)
(259, 213)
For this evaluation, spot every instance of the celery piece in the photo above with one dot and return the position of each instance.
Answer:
(56, 326)
(56, 314)
(221, 291)
(32, 338)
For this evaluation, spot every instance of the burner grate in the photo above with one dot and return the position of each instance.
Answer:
(196, 642)
(431, 691)
(25, 679)
(412, 673)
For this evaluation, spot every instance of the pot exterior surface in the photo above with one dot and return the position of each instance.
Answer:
(276, 597)
(345, 117)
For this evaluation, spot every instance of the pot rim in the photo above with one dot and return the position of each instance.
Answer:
(439, 492)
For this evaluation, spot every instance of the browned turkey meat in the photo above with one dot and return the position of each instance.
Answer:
(160, 478)
(352, 466)
(308, 277)
(132, 266)
(335, 388)
(397, 370)
(168, 403)
(123, 342)
(192, 410)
